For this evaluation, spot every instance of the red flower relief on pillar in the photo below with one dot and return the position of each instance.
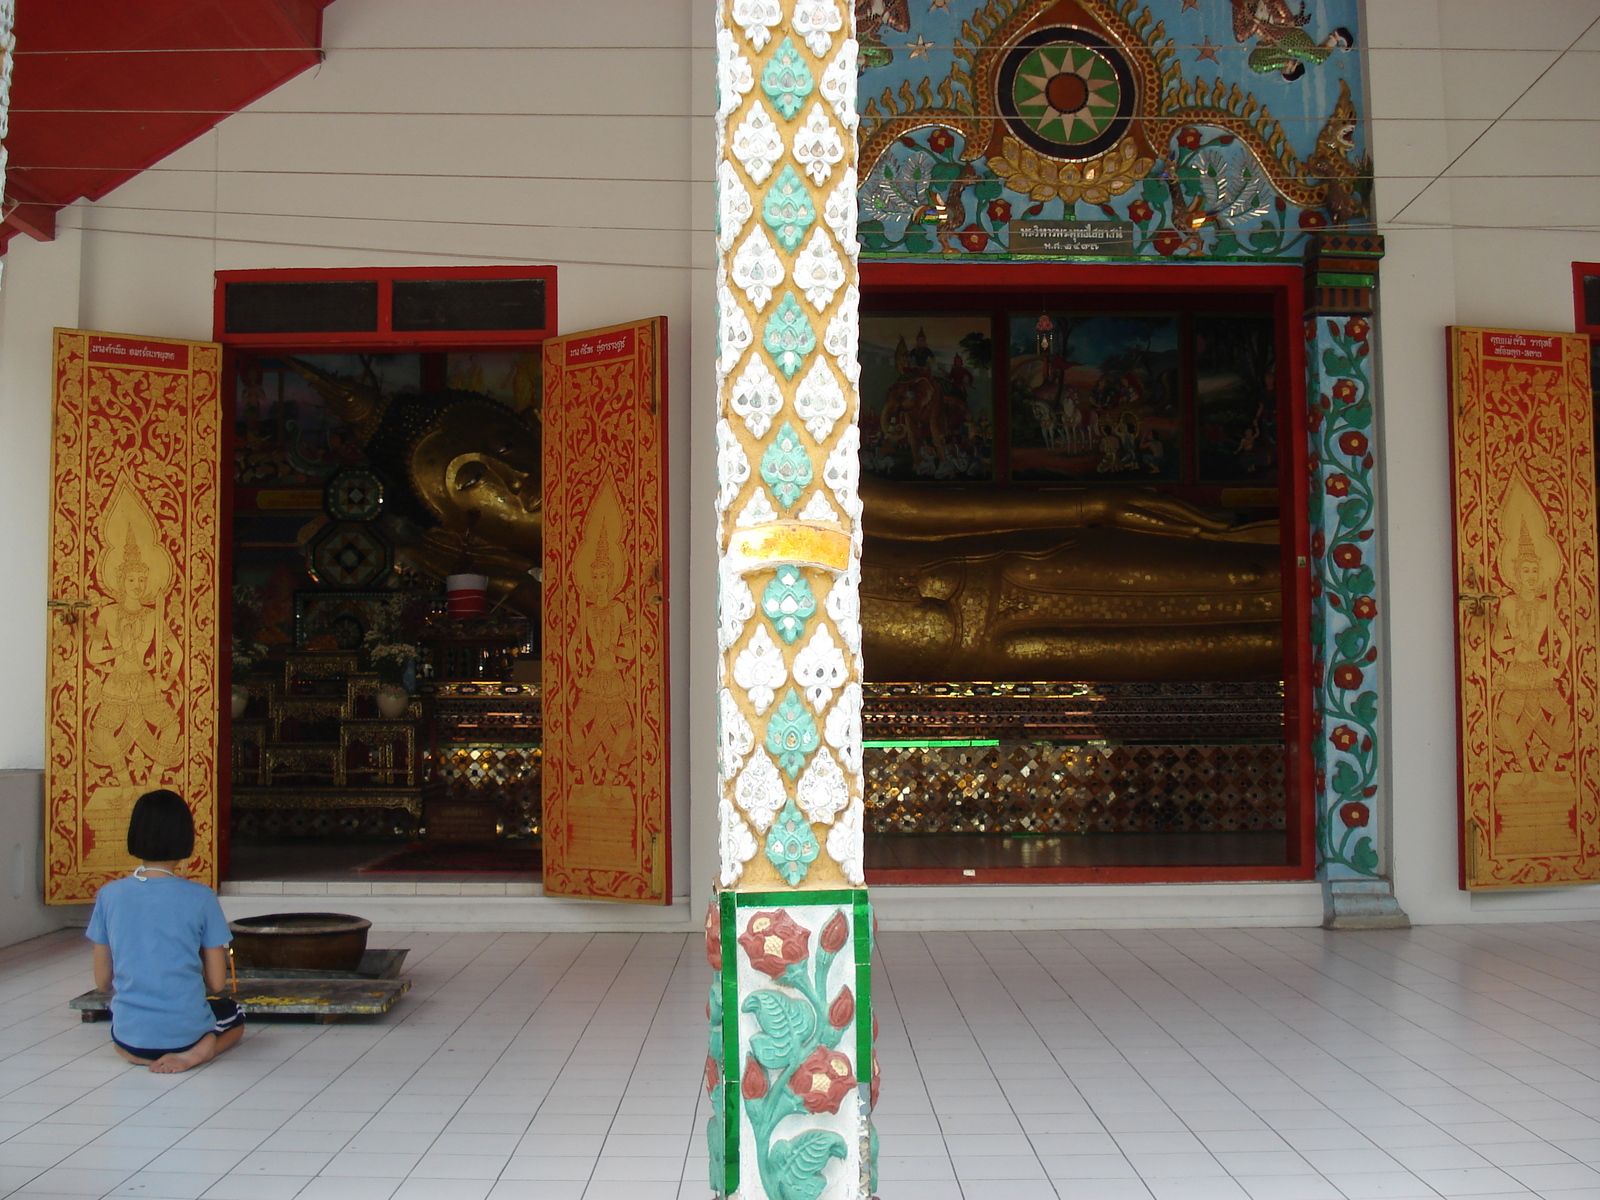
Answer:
(1311, 218)
(1140, 211)
(940, 140)
(1352, 443)
(1318, 544)
(1356, 328)
(775, 942)
(1189, 138)
(835, 933)
(1347, 556)
(1344, 391)
(999, 211)
(1338, 485)
(1355, 814)
(713, 937)
(1364, 608)
(1347, 677)
(842, 1009)
(753, 1085)
(1343, 737)
(823, 1080)
(713, 1075)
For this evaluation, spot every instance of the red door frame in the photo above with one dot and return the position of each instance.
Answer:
(1285, 287)
(383, 342)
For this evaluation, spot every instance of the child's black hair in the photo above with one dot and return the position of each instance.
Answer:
(161, 828)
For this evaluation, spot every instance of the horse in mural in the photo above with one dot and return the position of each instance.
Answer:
(919, 411)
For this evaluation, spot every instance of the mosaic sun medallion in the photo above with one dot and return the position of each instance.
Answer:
(1066, 92)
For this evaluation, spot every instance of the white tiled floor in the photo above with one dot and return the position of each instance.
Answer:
(1173, 1065)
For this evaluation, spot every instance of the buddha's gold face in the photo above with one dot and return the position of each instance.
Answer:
(479, 472)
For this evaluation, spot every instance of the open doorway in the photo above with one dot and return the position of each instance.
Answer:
(1082, 584)
(383, 726)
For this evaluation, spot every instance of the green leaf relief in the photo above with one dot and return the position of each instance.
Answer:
(788, 211)
(789, 337)
(788, 1028)
(791, 846)
(1364, 858)
(794, 1167)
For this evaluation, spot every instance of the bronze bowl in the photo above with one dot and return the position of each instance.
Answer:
(300, 941)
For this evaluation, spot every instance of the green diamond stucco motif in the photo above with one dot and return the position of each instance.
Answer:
(791, 846)
(789, 603)
(785, 467)
(791, 733)
(787, 80)
(787, 209)
(789, 337)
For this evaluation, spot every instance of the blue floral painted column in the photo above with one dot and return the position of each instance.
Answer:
(1341, 277)
(790, 1067)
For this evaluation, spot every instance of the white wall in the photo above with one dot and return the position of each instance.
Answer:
(1468, 252)
(500, 131)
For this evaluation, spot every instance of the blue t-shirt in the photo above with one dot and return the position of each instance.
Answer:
(155, 927)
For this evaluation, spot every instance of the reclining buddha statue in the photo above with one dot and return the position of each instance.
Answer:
(958, 582)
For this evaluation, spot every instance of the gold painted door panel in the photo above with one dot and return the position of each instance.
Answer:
(132, 701)
(1522, 448)
(606, 800)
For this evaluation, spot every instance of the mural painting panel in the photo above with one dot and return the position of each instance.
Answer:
(927, 397)
(1096, 398)
(1236, 403)
(1526, 574)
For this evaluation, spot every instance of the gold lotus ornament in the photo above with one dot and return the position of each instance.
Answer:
(1094, 181)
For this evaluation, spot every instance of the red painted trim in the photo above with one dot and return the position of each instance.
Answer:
(384, 337)
(1579, 270)
(941, 876)
(885, 286)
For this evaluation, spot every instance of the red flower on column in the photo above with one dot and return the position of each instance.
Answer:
(1364, 608)
(940, 140)
(1347, 556)
(1189, 138)
(1140, 211)
(1344, 391)
(842, 1009)
(1337, 485)
(1316, 419)
(1352, 443)
(775, 942)
(1347, 677)
(1356, 328)
(1311, 218)
(973, 239)
(999, 211)
(753, 1085)
(1167, 242)
(714, 937)
(823, 1080)
(835, 933)
(1318, 544)
(713, 1075)
(1355, 814)
(1343, 737)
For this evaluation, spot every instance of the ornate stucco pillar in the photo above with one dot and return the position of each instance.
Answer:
(1341, 280)
(790, 1064)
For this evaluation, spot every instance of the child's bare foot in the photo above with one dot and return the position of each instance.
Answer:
(202, 1051)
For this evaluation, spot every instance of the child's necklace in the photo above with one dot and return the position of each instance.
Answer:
(138, 872)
